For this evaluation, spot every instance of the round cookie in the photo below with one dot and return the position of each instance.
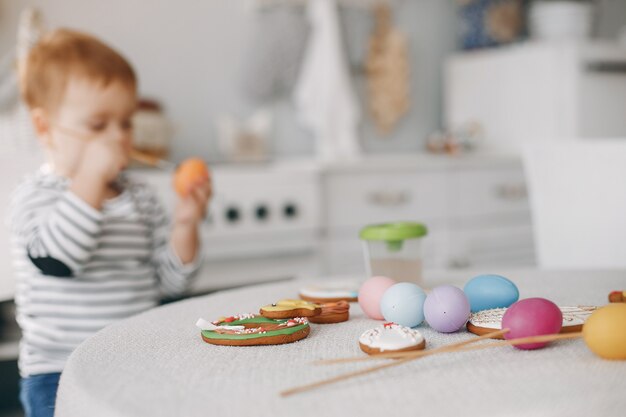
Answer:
(389, 338)
(254, 330)
(487, 321)
(336, 312)
(285, 309)
(330, 292)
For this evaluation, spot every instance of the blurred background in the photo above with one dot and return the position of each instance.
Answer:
(321, 117)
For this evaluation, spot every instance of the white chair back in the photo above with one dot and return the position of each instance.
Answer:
(578, 200)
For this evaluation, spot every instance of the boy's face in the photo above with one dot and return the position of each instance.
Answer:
(88, 111)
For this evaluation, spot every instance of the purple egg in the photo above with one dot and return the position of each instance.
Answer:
(532, 317)
(446, 308)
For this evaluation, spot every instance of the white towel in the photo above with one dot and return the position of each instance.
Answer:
(324, 98)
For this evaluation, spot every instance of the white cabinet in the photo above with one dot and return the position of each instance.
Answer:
(357, 199)
(475, 207)
(538, 92)
(489, 191)
(281, 220)
(263, 223)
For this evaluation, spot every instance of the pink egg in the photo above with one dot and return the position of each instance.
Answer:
(532, 317)
(370, 294)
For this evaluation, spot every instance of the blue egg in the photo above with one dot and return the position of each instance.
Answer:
(403, 303)
(490, 291)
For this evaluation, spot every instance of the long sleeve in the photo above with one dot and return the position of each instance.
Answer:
(58, 230)
(173, 275)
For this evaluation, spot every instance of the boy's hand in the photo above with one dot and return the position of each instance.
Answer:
(103, 160)
(100, 163)
(189, 212)
(192, 209)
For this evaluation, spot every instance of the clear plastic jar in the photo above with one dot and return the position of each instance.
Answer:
(394, 250)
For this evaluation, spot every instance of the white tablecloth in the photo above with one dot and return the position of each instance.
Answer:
(155, 364)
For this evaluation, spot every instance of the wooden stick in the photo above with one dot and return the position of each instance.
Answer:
(136, 155)
(512, 342)
(151, 160)
(524, 340)
(413, 354)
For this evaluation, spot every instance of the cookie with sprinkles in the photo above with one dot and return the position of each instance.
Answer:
(253, 330)
(486, 321)
(389, 338)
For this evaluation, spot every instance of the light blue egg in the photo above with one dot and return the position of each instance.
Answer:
(490, 291)
(403, 303)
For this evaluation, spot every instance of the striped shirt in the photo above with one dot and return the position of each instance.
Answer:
(79, 269)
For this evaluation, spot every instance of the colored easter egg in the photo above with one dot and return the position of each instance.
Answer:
(490, 291)
(446, 308)
(188, 173)
(532, 317)
(370, 294)
(403, 303)
(604, 332)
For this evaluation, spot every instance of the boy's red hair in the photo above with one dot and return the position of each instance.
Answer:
(64, 53)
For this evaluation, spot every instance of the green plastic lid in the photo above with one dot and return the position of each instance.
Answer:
(393, 231)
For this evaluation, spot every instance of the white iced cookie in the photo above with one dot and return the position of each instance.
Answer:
(391, 337)
(486, 321)
(331, 292)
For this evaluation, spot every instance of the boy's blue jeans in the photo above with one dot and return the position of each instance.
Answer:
(38, 394)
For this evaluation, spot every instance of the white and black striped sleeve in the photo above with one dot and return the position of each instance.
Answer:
(58, 229)
(173, 275)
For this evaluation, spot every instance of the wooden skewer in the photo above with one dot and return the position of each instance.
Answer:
(413, 354)
(523, 341)
(512, 342)
(151, 160)
(135, 155)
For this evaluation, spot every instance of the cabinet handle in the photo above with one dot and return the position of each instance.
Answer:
(511, 192)
(388, 198)
(460, 263)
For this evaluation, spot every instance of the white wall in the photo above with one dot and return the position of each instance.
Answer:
(186, 52)
(188, 55)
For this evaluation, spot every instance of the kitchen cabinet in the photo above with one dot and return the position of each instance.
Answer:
(300, 218)
(475, 206)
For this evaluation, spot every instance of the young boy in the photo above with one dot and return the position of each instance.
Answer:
(91, 247)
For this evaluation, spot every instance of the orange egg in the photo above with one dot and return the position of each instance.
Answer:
(189, 172)
(605, 331)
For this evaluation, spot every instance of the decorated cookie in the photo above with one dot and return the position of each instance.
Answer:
(332, 313)
(252, 330)
(391, 337)
(330, 292)
(487, 321)
(285, 309)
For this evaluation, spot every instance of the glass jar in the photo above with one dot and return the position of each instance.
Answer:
(394, 250)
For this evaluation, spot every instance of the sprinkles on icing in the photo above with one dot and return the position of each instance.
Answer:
(492, 319)
(256, 326)
(391, 336)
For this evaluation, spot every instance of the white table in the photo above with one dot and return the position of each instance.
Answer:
(155, 364)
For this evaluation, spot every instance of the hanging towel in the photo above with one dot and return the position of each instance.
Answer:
(324, 98)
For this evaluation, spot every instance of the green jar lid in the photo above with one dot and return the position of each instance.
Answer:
(393, 231)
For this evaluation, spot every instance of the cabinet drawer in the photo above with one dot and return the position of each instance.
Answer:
(355, 200)
(488, 192)
(492, 247)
